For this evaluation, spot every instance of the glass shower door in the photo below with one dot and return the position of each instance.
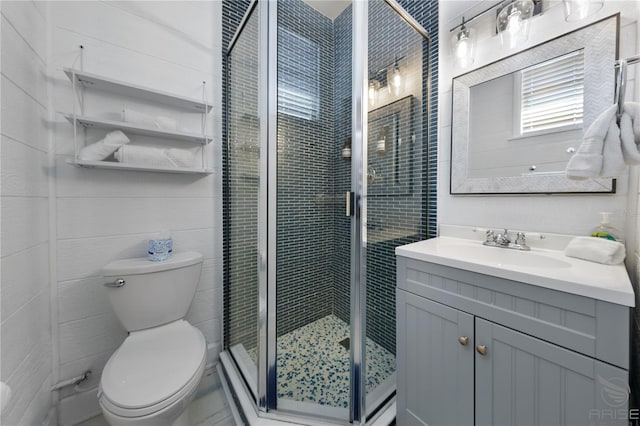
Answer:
(396, 177)
(312, 232)
(243, 185)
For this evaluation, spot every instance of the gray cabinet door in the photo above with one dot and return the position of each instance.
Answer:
(435, 370)
(522, 380)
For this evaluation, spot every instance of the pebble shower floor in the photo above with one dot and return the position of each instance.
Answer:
(314, 367)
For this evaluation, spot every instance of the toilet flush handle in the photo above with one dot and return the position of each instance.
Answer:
(117, 283)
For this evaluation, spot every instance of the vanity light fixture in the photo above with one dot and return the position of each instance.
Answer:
(576, 10)
(512, 22)
(464, 45)
(389, 77)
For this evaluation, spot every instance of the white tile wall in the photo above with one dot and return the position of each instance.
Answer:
(573, 214)
(103, 215)
(24, 262)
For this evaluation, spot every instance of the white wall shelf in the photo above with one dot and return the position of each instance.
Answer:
(81, 81)
(137, 167)
(89, 122)
(95, 81)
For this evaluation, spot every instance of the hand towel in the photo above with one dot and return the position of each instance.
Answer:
(600, 154)
(104, 147)
(630, 133)
(159, 122)
(155, 156)
(596, 249)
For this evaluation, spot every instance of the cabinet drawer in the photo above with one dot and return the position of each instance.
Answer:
(591, 327)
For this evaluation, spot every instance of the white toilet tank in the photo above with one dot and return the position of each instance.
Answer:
(153, 293)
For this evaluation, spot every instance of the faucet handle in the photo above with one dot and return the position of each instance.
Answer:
(521, 239)
(491, 236)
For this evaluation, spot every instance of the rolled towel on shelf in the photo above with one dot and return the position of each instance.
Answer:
(155, 156)
(596, 249)
(154, 122)
(103, 148)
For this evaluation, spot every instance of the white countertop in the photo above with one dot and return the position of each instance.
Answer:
(540, 267)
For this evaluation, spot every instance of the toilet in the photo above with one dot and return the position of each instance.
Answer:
(153, 376)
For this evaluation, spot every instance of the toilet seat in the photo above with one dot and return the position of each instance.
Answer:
(153, 369)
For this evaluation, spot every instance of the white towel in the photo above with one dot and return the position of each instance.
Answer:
(154, 156)
(159, 122)
(630, 133)
(104, 147)
(596, 249)
(600, 154)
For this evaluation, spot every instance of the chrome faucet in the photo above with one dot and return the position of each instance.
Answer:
(502, 240)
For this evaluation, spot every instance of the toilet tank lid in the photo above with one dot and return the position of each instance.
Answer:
(142, 265)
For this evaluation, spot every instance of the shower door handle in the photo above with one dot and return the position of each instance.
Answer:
(350, 198)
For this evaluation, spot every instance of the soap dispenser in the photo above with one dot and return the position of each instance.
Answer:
(606, 230)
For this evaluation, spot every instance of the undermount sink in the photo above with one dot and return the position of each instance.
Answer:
(476, 252)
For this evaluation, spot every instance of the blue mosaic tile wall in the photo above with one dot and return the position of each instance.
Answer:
(305, 173)
(426, 13)
(399, 213)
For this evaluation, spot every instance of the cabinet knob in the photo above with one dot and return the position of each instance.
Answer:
(482, 349)
(463, 340)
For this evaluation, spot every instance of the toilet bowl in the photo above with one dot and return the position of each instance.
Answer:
(153, 376)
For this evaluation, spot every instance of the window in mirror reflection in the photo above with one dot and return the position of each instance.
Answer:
(551, 95)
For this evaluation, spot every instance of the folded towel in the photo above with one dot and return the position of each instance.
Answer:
(630, 133)
(596, 250)
(104, 147)
(600, 154)
(159, 122)
(154, 156)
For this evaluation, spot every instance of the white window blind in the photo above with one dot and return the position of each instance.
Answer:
(298, 75)
(552, 93)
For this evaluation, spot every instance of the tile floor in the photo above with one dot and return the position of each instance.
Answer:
(314, 367)
(210, 408)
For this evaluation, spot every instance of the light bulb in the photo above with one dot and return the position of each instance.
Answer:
(464, 47)
(394, 80)
(373, 93)
(514, 22)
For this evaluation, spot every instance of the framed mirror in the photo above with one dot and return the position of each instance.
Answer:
(516, 122)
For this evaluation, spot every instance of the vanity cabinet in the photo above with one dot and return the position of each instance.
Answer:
(480, 350)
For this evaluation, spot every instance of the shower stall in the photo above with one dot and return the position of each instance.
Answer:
(326, 172)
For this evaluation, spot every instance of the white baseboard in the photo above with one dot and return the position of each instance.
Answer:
(213, 353)
(79, 407)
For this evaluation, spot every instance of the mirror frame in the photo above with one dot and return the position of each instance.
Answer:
(600, 43)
